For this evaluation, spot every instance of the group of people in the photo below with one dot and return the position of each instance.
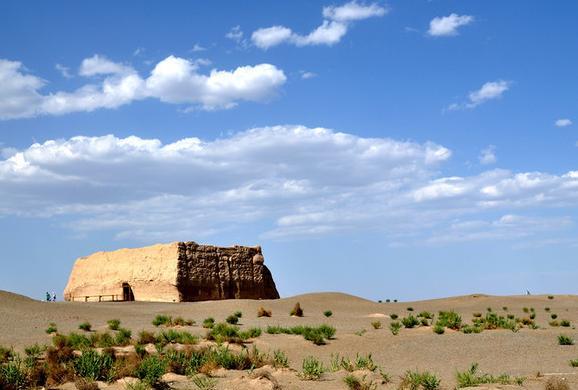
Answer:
(50, 297)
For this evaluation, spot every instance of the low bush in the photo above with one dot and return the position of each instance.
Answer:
(554, 316)
(565, 323)
(477, 315)
(162, 319)
(312, 369)
(376, 324)
(280, 359)
(505, 308)
(409, 308)
(92, 365)
(354, 383)
(395, 327)
(525, 310)
(315, 334)
(113, 324)
(449, 319)
(327, 313)
(146, 337)
(471, 378)
(13, 375)
(393, 316)
(223, 332)
(565, 340)
(262, 312)
(51, 328)
(208, 322)
(86, 326)
(426, 315)
(554, 323)
(410, 321)
(151, 369)
(438, 329)
(574, 363)
(550, 296)
(297, 311)
(232, 319)
(547, 309)
(6, 354)
(414, 380)
(250, 333)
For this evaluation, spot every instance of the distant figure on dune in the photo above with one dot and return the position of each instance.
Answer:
(53, 296)
(528, 292)
(47, 296)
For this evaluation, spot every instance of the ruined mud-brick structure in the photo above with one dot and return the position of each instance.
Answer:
(176, 272)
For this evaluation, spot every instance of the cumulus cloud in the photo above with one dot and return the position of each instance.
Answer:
(488, 155)
(448, 25)
(337, 20)
(563, 122)
(64, 71)
(489, 91)
(172, 80)
(285, 181)
(308, 75)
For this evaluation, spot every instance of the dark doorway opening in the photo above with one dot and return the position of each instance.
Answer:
(127, 294)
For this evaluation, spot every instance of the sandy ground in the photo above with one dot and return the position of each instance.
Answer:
(532, 353)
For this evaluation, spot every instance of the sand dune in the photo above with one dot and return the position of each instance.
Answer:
(526, 352)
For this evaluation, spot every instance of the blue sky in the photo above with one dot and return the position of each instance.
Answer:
(400, 149)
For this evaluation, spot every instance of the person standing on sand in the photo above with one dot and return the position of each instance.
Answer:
(53, 296)
(47, 296)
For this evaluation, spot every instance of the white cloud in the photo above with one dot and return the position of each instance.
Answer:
(99, 65)
(196, 48)
(271, 36)
(64, 71)
(489, 91)
(235, 34)
(488, 155)
(353, 11)
(563, 122)
(330, 32)
(308, 75)
(173, 80)
(283, 181)
(448, 25)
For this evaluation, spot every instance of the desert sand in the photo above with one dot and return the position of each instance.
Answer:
(534, 354)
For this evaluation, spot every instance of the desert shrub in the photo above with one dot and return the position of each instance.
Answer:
(86, 326)
(151, 369)
(354, 383)
(410, 321)
(424, 322)
(92, 365)
(477, 315)
(489, 309)
(395, 300)
(208, 322)
(449, 319)
(547, 309)
(222, 332)
(312, 369)
(51, 328)
(438, 329)
(409, 308)
(554, 316)
(360, 332)
(365, 362)
(550, 296)
(565, 340)
(533, 316)
(262, 312)
(162, 319)
(574, 363)
(525, 310)
(280, 359)
(203, 382)
(33, 351)
(123, 337)
(13, 375)
(113, 324)
(232, 319)
(250, 333)
(327, 331)
(327, 313)
(511, 316)
(276, 329)
(146, 337)
(376, 324)
(556, 383)
(471, 378)
(554, 323)
(393, 316)
(6, 354)
(414, 380)
(467, 329)
(77, 341)
(493, 321)
(527, 321)
(395, 327)
(172, 336)
(426, 315)
(532, 310)
(238, 314)
(505, 308)
(565, 323)
(297, 311)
